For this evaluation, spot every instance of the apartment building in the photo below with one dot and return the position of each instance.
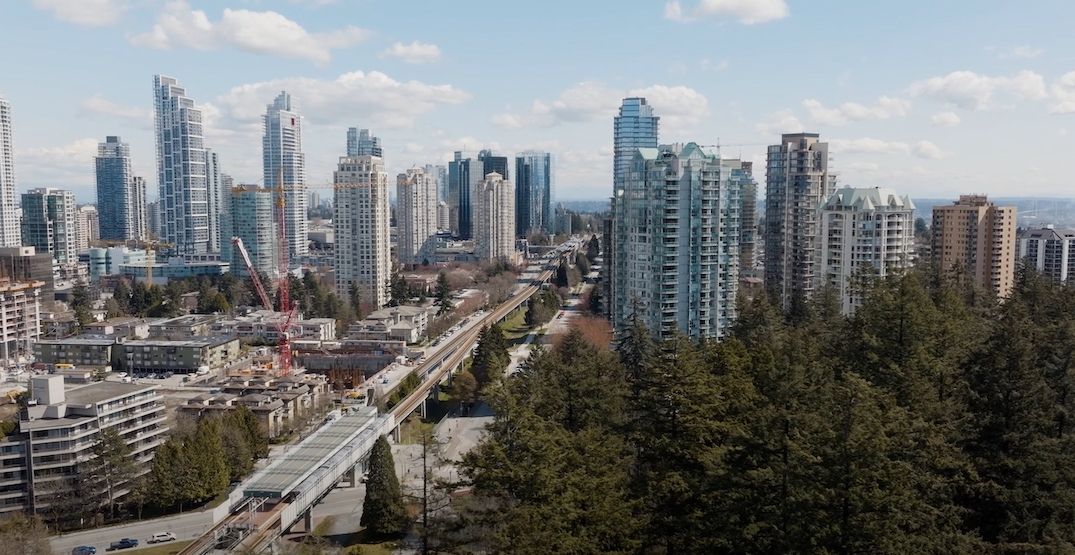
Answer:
(57, 432)
(20, 319)
(180, 356)
(361, 215)
(865, 233)
(974, 239)
(1050, 251)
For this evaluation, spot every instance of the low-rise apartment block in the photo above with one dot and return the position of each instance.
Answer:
(56, 434)
(180, 356)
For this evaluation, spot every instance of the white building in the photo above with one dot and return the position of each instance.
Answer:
(1051, 252)
(360, 217)
(864, 232)
(9, 216)
(89, 226)
(675, 241)
(416, 216)
(282, 157)
(20, 319)
(494, 219)
(184, 188)
(444, 216)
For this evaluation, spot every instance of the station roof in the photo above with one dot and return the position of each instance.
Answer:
(283, 476)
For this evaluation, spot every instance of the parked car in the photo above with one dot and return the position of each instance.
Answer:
(125, 543)
(84, 550)
(161, 537)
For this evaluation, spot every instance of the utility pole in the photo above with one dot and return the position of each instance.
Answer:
(425, 496)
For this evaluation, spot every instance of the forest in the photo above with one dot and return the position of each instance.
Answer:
(933, 420)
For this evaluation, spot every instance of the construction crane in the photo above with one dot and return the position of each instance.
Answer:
(283, 326)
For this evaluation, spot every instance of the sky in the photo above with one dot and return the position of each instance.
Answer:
(932, 99)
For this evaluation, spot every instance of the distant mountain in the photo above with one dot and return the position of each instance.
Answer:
(1029, 211)
(586, 206)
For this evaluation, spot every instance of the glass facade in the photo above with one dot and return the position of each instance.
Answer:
(634, 128)
(533, 193)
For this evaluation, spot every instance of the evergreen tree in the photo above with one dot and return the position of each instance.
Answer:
(24, 534)
(383, 514)
(355, 296)
(111, 467)
(444, 294)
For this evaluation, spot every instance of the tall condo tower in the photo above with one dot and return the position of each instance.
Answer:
(634, 128)
(797, 182)
(9, 216)
(181, 171)
(416, 216)
(533, 193)
(121, 197)
(282, 156)
(675, 240)
(360, 216)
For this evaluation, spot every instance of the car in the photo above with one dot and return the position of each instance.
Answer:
(125, 543)
(161, 537)
(84, 550)
(365, 478)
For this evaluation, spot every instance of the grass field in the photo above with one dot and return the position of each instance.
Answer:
(514, 326)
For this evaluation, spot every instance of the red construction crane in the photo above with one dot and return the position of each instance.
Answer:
(283, 327)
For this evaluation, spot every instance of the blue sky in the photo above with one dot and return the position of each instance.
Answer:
(930, 98)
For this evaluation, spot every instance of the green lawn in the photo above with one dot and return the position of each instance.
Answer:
(514, 326)
(410, 431)
(169, 548)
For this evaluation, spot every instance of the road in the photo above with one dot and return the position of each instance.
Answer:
(186, 526)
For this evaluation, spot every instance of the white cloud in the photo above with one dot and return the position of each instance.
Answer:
(926, 149)
(99, 105)
(413, 53)
(971, 90)
(885, 108)
(371, 96)
(779, 123)
(945, 119)
(93, 13)
(265, 32)
(678, 106)
(745, 11)
(867, 145)
(1064, 94)
(68, 166)
(1024, 52)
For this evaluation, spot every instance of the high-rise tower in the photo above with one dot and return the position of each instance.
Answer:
(121, 197)
(533, 193)
(360, 216)
(181, 170)
(416, 216)
(797, 182)
(282, 156)
(9, 218)
(634, 128)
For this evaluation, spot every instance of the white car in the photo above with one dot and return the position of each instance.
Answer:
(161, 537)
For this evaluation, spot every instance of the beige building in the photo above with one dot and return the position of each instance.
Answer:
(362, 229)
(280, 404)
(494, 219)
(976, 238)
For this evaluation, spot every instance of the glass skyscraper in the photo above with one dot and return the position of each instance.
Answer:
(181, 172)
(121, 197)
(282, 156)
(634, 128)
(533, 193)
(464, 174)
(361, 143)
(252, 221)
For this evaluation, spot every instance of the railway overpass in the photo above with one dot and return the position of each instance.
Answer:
(276, 498)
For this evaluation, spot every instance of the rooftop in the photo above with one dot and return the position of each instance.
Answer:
(85, 339)
(213, 341)
(283, 476)
(99, 392)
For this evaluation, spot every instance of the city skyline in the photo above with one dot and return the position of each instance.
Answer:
(919, 127)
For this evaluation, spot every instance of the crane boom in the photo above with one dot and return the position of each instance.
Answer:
(260, 289)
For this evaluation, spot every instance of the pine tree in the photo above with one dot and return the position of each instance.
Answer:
(111, 467)
(383, 514)
(444, 294)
